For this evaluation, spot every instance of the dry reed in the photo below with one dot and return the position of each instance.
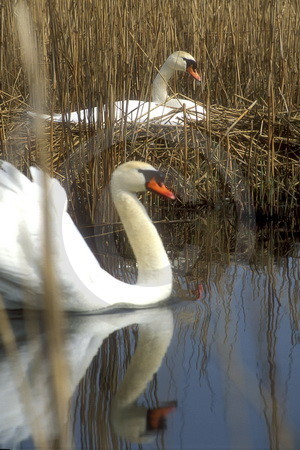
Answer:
(95, 52)
(53, 318)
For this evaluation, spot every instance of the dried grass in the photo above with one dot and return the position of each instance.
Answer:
(95, 52)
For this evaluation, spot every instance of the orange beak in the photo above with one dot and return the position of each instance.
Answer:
(193, 73)
(160, 188)
(156, 417)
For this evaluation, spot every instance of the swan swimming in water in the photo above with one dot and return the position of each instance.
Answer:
(161, 110)
(84, 285)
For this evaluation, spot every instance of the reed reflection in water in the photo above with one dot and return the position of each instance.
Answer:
(84, 336)
(230, 359)
(233, 362)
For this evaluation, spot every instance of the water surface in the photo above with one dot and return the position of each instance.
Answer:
(218, 366)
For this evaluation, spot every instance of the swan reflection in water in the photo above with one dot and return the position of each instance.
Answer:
(84, 336)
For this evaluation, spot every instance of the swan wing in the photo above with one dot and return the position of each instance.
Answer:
(147, 112)
(194, 111)
(19, 228)
(21, 243)
(133, 111)
(84, 115)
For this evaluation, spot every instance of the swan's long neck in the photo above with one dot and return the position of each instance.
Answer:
(160, 84)
(129, 419)
(153, 264)
(154, 339)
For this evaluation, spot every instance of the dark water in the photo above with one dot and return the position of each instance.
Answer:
(221, 359)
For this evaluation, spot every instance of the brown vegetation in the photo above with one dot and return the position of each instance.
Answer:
(92, 53)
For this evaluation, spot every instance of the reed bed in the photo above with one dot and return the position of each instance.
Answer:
(227, 156)
(94, 53)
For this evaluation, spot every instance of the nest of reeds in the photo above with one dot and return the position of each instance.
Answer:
(245, 155)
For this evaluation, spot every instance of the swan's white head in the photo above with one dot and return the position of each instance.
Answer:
(137, 176)
(183, 62)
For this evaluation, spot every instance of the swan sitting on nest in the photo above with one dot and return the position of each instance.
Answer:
(161, 110)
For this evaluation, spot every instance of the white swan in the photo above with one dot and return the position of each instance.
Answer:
(85, 286)
(161, 109)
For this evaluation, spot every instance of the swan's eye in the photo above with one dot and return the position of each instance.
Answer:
(190, 63)
(191, 68)
(154, 182)
(152, 174)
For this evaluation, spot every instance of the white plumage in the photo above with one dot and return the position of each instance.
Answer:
(84, 285)
(161, 110)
